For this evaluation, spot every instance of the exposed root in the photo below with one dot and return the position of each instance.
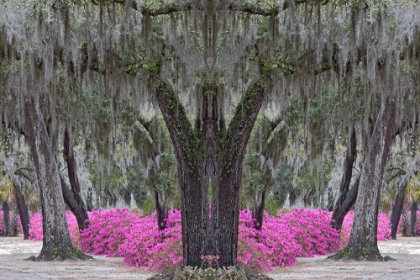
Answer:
(359, 254)
(55, 254)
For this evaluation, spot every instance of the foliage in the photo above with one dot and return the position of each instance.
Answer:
(284, 184)
(135, 184)
(107, 230)
(108, 180)
(135, 237)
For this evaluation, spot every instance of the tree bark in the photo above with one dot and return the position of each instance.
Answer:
(192, 198)
(226, 207)
(413, 219)
(57, 244)
(258, 210)
(210, 171)
(363, 238)
(6, 218)
(347, 198)
(72, 196)
(396, 211)
(161, 210)
(23, 211)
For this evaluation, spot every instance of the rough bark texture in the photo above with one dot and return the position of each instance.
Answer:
(227, 192)
(413, 218)
(72, 196)
(154, 150)
(192, 198)
(161, 210)
(258, 210)
(210, 176)
(6, 218)
(363, 238)
(347, 197)
(23, 211)
(57, 244)
(396, 211)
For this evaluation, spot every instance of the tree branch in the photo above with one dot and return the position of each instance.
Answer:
(186, 144)
(255, 9)
(234, 143)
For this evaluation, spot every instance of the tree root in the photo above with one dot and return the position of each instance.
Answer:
(55, 254)
(359, 254)
(190, 273)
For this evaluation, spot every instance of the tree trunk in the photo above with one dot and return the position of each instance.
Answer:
(192, 198)
(57, 244)
(396, 211)
(347, 198)
(23, 211)
(413, 219)
(363, 238)
(161, 210)
(6, 218)
(72, 196)
(210, 176)
(14, 224)
(258, 209)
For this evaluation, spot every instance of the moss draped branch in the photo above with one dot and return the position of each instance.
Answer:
(255, 9)
(187, 144)
(234, 143)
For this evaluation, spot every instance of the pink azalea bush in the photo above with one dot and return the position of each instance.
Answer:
(158, 251)
(107, 231)
(312, 231)
(274, 246)
(128, 234)
(36, 232)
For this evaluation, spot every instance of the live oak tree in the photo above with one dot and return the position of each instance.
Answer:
(210, 66)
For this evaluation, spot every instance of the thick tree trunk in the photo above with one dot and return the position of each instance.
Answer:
(72, 197)
(6, 218)
(210, 177)
(363, 238)
(192, 198)
(57, 244)
(23, 211)
(230, 164)
(413, 219)
(347, 198)
(258, 209)
(396, 211)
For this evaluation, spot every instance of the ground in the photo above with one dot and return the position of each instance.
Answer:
(13, 250)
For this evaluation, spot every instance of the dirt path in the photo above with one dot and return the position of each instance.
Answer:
(406, 251)
(14, 250)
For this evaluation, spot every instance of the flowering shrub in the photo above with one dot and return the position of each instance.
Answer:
(107, 231)
(254, 254)
(294, 233)
(312, 231)
(35, 227)
(158, 251)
